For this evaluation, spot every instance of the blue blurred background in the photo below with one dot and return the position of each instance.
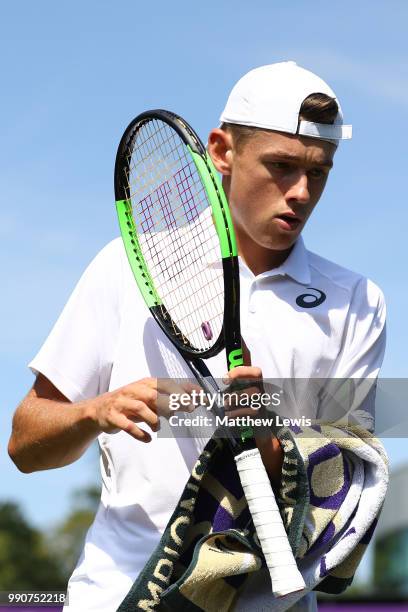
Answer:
(75, 73)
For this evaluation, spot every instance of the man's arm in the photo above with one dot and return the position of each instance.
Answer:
(49, 431)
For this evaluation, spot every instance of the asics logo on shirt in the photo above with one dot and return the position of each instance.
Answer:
(311, 300)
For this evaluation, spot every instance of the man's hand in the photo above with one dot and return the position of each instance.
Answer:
(143, 401)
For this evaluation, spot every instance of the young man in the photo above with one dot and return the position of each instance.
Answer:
(302, 317)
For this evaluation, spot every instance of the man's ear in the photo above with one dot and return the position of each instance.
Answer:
(220, 150)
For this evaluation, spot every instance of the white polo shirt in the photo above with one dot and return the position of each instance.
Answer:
(308, 318)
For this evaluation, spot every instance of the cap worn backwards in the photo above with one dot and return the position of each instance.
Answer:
(270, 97)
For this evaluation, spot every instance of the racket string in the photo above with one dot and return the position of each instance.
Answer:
(176, 231)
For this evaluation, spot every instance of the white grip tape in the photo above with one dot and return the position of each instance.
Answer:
(279, 558)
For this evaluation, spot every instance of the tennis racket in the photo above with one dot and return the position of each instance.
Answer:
(180, 242)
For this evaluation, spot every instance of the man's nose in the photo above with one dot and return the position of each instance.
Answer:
(299, 188)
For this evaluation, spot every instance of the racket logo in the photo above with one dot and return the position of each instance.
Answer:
(311, 300)
(235, 358)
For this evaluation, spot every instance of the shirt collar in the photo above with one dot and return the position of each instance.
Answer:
(296, 265)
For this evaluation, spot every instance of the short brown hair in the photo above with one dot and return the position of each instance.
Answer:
(317, 107)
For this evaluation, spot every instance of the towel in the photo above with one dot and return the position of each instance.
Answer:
(334, 480)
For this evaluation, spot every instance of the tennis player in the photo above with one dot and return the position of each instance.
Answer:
(302, 317)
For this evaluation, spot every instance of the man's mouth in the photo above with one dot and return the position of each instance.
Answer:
(288, 221)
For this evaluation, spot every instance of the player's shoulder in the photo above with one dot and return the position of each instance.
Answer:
(107, 269)
(109, 261)
(344, 279)
(112, 251)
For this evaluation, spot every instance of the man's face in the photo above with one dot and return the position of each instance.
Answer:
(273, 182)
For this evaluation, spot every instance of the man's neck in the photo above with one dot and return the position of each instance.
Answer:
(258, 259)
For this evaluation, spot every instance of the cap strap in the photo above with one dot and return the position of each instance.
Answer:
(325, 131)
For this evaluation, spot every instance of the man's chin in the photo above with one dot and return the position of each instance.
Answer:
(281, 242)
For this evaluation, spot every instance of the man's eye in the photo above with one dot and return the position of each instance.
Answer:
(280, 165)
(317, 173)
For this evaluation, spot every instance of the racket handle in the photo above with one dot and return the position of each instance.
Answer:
(285, 576)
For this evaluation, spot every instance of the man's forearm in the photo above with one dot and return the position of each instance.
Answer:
(49, 434)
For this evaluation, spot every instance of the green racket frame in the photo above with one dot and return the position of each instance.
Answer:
(230, 336)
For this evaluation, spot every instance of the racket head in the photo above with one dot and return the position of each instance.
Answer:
(178, 234)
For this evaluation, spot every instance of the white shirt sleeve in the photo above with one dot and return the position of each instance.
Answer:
(350, 393)
(78, 354)
(363, 343)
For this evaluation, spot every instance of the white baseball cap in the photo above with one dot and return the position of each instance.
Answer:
(270, 97)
